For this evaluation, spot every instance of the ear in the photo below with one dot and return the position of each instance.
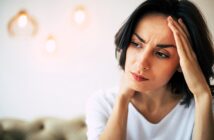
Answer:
(179, 69)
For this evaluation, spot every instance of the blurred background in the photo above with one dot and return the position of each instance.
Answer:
(55, 53)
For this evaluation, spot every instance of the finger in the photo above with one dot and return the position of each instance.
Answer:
(188, 39)
(182, 28)
(178, 41)
(182, 31)
(182, 45)
(180, 21)
(176, 24)
(177, 30)
(189, 51)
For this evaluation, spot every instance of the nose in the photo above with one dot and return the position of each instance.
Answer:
(144, 60)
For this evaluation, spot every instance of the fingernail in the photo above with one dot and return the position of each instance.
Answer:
(170, 19)
(180, 20)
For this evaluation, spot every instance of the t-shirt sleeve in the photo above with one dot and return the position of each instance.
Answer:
(97, 113)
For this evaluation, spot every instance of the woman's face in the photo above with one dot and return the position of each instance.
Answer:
(151, 57)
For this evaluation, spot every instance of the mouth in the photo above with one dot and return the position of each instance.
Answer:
(139, 78)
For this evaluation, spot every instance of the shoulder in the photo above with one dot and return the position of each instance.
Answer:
(106, 95)
(103, 96)
(102, 100)
(98, 109)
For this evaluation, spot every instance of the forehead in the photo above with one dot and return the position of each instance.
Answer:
(154, 27)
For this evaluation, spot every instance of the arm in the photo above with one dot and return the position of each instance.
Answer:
(117, 123)
(204, 120)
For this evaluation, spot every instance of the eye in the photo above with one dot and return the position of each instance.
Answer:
(161, 55)
(135, 44)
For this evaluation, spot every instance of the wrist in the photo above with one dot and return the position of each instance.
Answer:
(203, 97)
(201, 91)
(124, 99)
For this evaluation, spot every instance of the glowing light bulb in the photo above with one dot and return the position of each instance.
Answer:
(50, 45)
(79, 16)
(22, 20)
(22, 24)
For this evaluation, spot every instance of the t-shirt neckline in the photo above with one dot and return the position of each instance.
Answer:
(165, 118)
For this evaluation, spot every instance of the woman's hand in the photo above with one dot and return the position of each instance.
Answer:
(204, 121)
(125, 89)
(188, 60)
(117, 123)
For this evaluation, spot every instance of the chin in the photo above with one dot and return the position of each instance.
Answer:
(141, 88)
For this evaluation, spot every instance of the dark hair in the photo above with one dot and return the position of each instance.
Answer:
(200, 38)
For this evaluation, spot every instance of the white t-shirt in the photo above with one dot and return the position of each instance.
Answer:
(176, 125)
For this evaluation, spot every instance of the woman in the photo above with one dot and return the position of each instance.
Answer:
(166, 55)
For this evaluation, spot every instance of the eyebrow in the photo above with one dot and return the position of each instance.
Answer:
(141, 39)
(165, 46)
(158, 45)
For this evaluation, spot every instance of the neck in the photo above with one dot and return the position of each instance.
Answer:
(153, 100)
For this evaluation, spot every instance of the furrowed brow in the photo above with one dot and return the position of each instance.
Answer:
(165, 46)
(141, 39)
(158, 45)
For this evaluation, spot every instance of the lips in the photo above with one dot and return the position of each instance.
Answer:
(138, 78)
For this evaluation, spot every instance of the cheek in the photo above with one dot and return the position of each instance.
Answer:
(167, 70)
(170, 71)
(172, 64)
(129, 60)
(128, 64)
